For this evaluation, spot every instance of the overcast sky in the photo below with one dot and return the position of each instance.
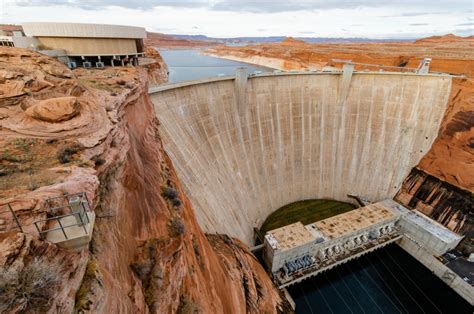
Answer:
(231, 18)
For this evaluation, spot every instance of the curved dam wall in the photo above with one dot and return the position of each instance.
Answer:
(243, 148)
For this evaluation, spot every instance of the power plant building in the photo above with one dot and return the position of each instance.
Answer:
(296, 251)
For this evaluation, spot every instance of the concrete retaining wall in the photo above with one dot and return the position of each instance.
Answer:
(293, 137)
(448, 276)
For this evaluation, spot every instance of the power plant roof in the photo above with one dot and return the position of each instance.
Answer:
(425, 223)
(296, 234)
(291, 236)
(47, 29)
(433, 227)
(354, 220)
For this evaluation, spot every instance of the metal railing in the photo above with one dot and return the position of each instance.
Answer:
(6, 208)
(74, 205)
(81, 222)
(58, 203)
(401, 68)
(423, 67)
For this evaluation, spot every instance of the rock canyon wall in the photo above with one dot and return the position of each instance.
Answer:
(147, 254)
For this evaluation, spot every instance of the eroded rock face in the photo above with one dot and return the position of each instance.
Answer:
(440, 200)
(120, 148)
(54, 109)
(37, 274)
(451, 156)
(156, 68)
(30, 79)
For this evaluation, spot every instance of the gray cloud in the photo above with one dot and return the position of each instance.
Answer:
(131, 4)
(418, 24)
(464, 32)
(262, 5)
(466, 24)
(412, 14)
(288, 5)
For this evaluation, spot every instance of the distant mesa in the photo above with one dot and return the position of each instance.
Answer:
(443, 39)
(293, 41)
(159, 40)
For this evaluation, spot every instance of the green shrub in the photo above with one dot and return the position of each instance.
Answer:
(32, 288)
(177, 226)
(66, 152)
(7, 156)
(98, 161)
(176, 202)
(170, 193)
(187, 305)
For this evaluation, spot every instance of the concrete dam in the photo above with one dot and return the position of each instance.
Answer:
(244, 146)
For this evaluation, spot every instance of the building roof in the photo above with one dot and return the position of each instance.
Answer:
(433, 227)
(429, 225)
(289, 236)
(296, 234)
(46, 29)
(354, 220)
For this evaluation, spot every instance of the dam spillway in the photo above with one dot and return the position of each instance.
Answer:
(244, 147)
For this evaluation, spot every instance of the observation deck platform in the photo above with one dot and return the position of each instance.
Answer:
(69, 234)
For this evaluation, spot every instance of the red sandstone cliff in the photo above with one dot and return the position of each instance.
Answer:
(147, 253)
(156, 68)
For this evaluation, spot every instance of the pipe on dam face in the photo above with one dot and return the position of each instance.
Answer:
(295, 137)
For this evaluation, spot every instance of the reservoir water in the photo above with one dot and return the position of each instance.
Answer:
(385, 281)
(185, 65)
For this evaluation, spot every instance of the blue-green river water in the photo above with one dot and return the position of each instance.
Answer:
(185, 65)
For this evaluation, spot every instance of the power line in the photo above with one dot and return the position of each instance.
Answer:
(347, 287)
(401, 285)
(389, 288)
(378, 287)
(322, 295)
(305, 298)
(363, 288)
(414, 283)
(338, 294)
